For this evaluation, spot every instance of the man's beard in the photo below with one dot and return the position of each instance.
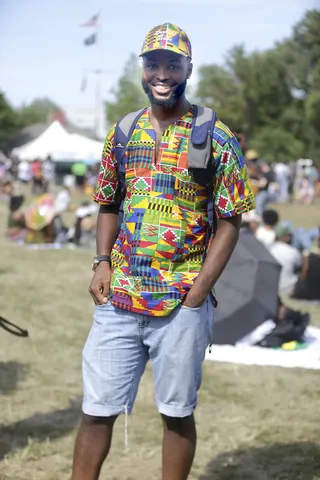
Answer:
(166, 102)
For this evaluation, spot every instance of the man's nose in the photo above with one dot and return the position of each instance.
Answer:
(162, 73)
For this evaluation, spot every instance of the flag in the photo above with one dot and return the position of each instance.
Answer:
(90, 40)
(92, 22)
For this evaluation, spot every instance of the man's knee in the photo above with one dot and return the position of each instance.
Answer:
(91, 421)
(178, 424)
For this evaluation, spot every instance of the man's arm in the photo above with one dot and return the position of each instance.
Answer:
(106, 233)
(106, 228)
(232, 193)
(107, 194)
(217, 258)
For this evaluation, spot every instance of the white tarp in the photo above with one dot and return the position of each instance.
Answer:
(246, 354)
(57, 142)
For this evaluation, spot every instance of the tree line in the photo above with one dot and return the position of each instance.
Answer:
(272, 97)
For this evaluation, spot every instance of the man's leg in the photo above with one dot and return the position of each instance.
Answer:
(179, 446)
(92, 447)
(177, 351)
(113, 361)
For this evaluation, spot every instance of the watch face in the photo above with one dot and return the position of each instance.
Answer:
(95, 264)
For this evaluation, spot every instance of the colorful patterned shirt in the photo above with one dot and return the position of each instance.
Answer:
(160, 248)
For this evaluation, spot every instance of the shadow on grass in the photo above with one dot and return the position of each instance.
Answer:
(296, 461)
(11, 373)
(3, 271)
(39, 427)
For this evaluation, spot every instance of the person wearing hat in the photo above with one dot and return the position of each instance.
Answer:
(287, 256)
(153, 296)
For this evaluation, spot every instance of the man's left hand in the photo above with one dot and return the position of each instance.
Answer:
(194, 299)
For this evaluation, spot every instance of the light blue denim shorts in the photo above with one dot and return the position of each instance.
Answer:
(117, 350)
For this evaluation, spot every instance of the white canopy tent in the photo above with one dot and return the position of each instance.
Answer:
(57, 142)
(89, 150)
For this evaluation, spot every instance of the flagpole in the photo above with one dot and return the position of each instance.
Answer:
(97, 100)
(99, 116)
(98, 106)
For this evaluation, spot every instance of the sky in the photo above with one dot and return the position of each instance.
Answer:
(42, 52)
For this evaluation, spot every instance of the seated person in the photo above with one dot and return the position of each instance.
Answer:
(16, 227)
(288, 257)
(308, 284)
(266, 233)
(84, 231)
(250, 222)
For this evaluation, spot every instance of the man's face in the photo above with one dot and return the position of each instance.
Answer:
(165, 77)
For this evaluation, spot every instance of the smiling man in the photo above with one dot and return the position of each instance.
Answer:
(153, 279)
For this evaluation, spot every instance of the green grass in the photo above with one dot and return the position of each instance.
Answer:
(256, 423)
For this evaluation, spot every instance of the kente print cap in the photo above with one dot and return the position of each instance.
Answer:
(167, 37)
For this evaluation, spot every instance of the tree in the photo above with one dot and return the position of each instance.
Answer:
(128, 95)
(38, 111)
(271, 96)
(9, 122)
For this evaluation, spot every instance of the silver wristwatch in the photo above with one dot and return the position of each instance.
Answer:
(98, 259)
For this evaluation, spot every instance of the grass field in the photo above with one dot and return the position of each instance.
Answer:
(254, 423)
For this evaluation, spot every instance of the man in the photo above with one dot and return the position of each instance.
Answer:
(153, 301)
(261, 176)
(24, 174)
(48, 171)
(283, 174)
(79, 170)
(288, 256)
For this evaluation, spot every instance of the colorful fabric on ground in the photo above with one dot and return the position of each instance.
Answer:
(160, 248)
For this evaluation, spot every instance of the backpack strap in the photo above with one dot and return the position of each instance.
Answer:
(122, 134)
(200, 147)
(200, 154)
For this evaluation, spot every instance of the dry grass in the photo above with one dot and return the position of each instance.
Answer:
(254, 423)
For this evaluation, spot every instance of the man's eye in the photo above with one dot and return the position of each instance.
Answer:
(152, 67)
(174, 67)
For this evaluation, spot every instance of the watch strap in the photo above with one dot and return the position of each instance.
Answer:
(102, 258)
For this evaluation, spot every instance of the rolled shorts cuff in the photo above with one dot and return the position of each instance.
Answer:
(175, 412)
(105, 410)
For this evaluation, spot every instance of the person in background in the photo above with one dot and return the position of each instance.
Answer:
(79, 170)
(283, 175)
(251, 157)
(266, 232)
(308, 284)
(288, 257)
(250, 222)
(47, 173)
(303, 238)
(261, 176)
(16, 221)
(37, 177)
(24, 174)
(242, 139)
(16, 226)
(84, 230)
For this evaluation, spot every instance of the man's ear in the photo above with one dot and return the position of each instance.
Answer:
(190, 69)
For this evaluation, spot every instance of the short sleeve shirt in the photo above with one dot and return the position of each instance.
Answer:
(160, 248)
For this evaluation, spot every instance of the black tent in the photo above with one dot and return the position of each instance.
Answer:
(247, 291)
